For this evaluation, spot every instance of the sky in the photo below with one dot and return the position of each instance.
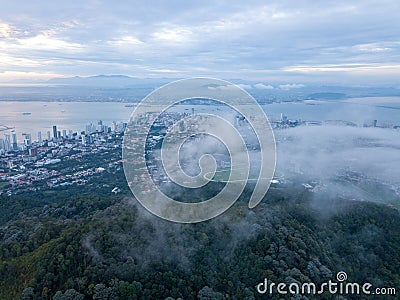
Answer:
(287, 42)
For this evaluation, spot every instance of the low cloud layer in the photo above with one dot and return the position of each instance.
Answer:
(344, 161)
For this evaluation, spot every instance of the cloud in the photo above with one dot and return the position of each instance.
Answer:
(173, 35)
(5, 30)
(262, 86)
(45, 41)
(342, 160)
(267, 42)
(225, 87)
(127, 40)
(10, 76)
(375, 47)
(291, 86)
(244, 86)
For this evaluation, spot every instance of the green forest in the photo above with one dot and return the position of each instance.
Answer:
(87, 243)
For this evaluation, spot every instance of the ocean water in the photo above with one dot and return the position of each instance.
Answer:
(66, 115)
(34, 116)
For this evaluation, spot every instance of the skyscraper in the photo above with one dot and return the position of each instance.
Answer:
(27, 139)
(40, 137)
(14, 139)
(7, 143)
(55, 131)
(90, 128)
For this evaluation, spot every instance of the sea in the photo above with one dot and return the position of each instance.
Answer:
(30, 117)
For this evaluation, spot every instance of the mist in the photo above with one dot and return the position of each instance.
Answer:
(325, 162)
(341, 160)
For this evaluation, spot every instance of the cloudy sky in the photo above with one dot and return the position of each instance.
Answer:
(289, 42)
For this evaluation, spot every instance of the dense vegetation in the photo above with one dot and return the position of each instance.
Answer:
(97, 245)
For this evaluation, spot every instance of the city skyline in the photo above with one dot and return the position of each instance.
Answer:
(7, 144)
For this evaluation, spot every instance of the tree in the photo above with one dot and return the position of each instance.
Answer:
(28, 293)
(207, 293)
(101, 292)
(70, 294)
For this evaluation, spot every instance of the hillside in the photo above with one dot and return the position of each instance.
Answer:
(109, 248)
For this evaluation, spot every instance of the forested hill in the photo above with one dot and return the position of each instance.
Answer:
(83, 247)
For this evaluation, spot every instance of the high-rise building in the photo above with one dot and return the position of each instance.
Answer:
(7, 142)
(87, 140)
(90, 128)
(64, 134)
(14, 139)
(27, 140)
(39, 136)
(48, 136)
(123, 126)
(55, 131)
